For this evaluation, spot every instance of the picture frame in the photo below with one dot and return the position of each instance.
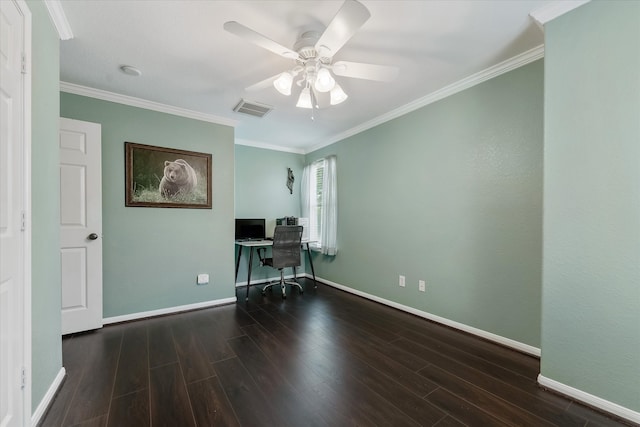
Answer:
(161, 177)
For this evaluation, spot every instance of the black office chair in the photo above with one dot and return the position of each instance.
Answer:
(285, 252)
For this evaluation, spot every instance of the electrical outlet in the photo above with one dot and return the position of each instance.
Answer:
(422, 287)
(401, 281)
(203, 279)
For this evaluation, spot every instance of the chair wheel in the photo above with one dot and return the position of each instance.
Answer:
(264, 293)
(284, 297)
(301, 292)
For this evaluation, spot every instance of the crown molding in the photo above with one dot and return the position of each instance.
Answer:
(143, 103)
(258, 144)
(466, 83)
(59, 18)
(475, 79)
(551, 11)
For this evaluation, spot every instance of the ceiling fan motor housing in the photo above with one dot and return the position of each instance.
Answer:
(305, 46)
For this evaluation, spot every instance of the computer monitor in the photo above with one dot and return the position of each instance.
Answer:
(252, 228)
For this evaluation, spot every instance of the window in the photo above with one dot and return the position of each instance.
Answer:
(319, 203)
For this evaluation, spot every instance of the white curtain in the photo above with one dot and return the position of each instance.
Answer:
(328, 230)
(329, 234)
(305, 193)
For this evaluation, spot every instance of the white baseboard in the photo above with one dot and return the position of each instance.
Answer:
(507, 342)
(270, 279)
(574, 393)
(48, 397)
(589, 399)
(168, 310)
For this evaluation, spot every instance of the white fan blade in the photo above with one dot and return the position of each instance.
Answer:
(358, 70)
(351, 16)
(258, 39)
(263, 84)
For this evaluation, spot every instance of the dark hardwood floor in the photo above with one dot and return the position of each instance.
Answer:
(325, 358)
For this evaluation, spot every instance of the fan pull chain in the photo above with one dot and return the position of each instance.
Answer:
(314, 103)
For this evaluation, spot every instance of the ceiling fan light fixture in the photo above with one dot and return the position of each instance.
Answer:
(283, 83)
(338, 95)
(324, 81)
(313, 53)
(304, 101)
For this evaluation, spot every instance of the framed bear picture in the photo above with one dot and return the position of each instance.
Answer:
(160, 177)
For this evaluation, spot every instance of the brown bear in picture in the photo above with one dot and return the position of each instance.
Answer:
(179, 179)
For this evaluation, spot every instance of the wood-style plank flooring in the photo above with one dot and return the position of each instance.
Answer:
(325, 358)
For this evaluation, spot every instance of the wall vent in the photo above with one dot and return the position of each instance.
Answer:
(252, 108)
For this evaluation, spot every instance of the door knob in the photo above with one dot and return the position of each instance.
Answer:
(92, 236)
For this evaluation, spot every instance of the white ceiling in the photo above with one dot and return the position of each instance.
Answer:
(188, 60)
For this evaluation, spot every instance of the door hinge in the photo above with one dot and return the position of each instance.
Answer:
(24, 63)
(23, 221)
(23, 378)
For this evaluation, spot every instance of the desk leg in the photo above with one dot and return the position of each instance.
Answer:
(238, 261)
(249, 274)
(313, 273)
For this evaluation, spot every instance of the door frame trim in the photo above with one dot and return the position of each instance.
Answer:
(26, 203)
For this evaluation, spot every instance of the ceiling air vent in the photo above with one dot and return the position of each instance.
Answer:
(252, 108)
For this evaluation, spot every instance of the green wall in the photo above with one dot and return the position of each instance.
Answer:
(152, 255)
(45, 209)
(261, 183)
(591, 284)
(261, 192)
(450, 194)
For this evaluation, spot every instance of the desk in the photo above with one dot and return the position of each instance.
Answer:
(251, 244)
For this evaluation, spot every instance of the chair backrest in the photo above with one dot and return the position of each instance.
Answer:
(286, 246)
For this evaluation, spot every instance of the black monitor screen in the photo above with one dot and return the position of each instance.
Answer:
(250, 228)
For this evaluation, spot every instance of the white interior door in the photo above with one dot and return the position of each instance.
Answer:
(80, 225)
(13, 213)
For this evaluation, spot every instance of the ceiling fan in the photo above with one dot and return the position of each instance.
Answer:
(313, 55)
